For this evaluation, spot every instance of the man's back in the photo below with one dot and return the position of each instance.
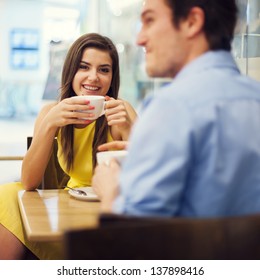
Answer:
(203, 158)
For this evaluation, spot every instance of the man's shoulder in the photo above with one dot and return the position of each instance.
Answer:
(210, 86)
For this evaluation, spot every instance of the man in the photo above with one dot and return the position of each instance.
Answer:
(195, 151)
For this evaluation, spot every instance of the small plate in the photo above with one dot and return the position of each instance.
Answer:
(91, 196)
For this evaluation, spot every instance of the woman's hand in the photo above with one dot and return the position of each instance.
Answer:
(69, 111)
(105, 184)
(121, 115)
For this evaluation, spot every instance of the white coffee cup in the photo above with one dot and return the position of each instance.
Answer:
(106, 156)
(96, 101)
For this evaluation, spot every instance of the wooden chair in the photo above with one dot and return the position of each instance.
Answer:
(132, 238)
(54, 177)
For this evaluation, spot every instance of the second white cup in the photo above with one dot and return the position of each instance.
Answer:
(105, 157)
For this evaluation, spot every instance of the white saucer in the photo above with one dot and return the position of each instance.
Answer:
(91, 196)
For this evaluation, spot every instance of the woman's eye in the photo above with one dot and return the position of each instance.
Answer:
(83, 66)
(104, 70)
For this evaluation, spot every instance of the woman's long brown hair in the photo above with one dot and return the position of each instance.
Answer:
(70, 68)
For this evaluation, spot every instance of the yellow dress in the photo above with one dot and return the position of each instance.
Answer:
(80, 175)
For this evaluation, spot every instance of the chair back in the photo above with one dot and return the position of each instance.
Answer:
(127, 238)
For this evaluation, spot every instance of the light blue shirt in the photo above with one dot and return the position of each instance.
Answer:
(195, 150)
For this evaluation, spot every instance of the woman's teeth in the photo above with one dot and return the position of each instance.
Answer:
(90, 88)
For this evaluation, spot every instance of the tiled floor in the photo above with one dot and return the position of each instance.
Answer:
(13, 139)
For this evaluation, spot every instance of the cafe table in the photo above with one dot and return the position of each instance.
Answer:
(47, 214)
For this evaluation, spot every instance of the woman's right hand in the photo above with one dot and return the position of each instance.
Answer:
(69, 111)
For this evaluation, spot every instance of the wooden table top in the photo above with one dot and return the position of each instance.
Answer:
(46, 214)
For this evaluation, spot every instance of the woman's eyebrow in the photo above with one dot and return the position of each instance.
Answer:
(82, 61)
(106, 65)
(102, 65)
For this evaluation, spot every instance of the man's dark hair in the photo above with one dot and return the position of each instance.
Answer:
(220, 19)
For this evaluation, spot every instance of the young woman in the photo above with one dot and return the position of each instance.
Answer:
(91, 67)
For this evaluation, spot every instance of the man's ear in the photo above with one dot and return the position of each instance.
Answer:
(195, 22)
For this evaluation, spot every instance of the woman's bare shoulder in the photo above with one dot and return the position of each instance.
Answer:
(43, 112)
(46, 108)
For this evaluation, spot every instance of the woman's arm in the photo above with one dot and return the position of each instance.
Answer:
(37, 157)
(50, 119)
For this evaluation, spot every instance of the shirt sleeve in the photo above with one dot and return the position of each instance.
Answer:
(153, 176)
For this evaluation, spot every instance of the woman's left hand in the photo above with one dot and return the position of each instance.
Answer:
(120, 114)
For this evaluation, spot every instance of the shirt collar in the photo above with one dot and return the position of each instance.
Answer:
(210, 59)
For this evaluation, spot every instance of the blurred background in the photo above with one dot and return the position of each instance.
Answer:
(35, 36)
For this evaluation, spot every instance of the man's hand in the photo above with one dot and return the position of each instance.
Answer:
(115, 145)
(105, 184)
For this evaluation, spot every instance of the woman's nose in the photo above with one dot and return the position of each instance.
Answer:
(92, 76)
